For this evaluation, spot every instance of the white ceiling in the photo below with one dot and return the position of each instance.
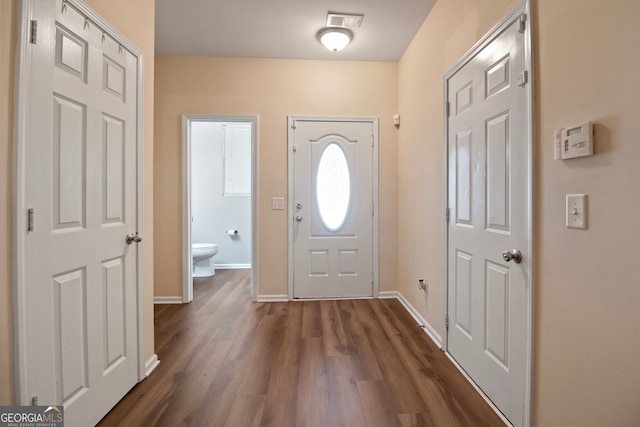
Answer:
(285, 28)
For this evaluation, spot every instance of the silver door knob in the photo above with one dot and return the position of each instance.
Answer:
(298, 218)
(513, 254)
(131, 238)
(299, 206)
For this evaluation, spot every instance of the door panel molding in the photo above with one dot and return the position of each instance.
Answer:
(524, 8)
(24, 109)
(291, 120)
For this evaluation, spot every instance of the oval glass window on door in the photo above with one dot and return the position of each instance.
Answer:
(333, 187)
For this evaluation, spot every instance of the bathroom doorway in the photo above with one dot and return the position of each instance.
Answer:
(219, 187)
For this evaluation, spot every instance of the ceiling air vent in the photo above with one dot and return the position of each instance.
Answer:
(344, 21)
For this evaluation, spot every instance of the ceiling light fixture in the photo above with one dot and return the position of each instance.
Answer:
(335, 39)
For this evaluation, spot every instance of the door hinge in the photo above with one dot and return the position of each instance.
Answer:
(33, 39)
(373, 209)
(293, 125)
(448, 108)
(295, 148)
(523, 78)
(446, 321)
(30, 215)
(373, 141)
(446, 215)
(34, 401)
(522, 23)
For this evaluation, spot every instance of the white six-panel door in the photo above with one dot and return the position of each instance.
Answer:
(488, 198)
(333, 202)
(80, 172)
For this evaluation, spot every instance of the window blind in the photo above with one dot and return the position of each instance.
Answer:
(237, 160)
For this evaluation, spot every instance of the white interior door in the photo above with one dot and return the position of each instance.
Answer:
(489, 214)
(332, 208)
(80, 185)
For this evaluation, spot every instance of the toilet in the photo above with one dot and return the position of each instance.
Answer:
(203, 253)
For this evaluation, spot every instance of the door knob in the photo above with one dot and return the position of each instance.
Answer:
(298, 218)
(131, 238)
(299, 206)
(513, 254)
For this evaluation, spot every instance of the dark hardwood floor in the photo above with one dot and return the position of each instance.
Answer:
(226, 361)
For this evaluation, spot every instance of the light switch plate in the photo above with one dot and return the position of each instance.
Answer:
(277, 203)
(576, 211)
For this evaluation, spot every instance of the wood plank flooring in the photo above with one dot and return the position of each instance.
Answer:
(226, 361)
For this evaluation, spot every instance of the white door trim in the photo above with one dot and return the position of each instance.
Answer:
(291, 208)
(187, 257)
(21, 364)
(524, 7)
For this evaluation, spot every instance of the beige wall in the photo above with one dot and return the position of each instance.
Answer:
(586, 286)
(588, 282)
(272, 89)
(136, 21)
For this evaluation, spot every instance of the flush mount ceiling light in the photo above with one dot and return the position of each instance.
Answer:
(335, 39)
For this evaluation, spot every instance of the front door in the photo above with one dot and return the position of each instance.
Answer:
(80, 191)
(489, 215)
(332, 208)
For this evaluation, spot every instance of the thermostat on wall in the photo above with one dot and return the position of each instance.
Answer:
(577, 141)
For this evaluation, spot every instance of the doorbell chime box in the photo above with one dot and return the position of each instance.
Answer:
(574, 141)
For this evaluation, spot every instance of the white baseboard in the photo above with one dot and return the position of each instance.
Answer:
(151, 365)
(167, 300)
(431, 333)
(428, 329)
(437, 339)
(479, 390)
(272, 298)
(233, 266)
(388, 295)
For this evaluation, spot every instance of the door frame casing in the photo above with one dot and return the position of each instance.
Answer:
(187, 257)
(21, 363)
(524, 7)
(374, 182)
